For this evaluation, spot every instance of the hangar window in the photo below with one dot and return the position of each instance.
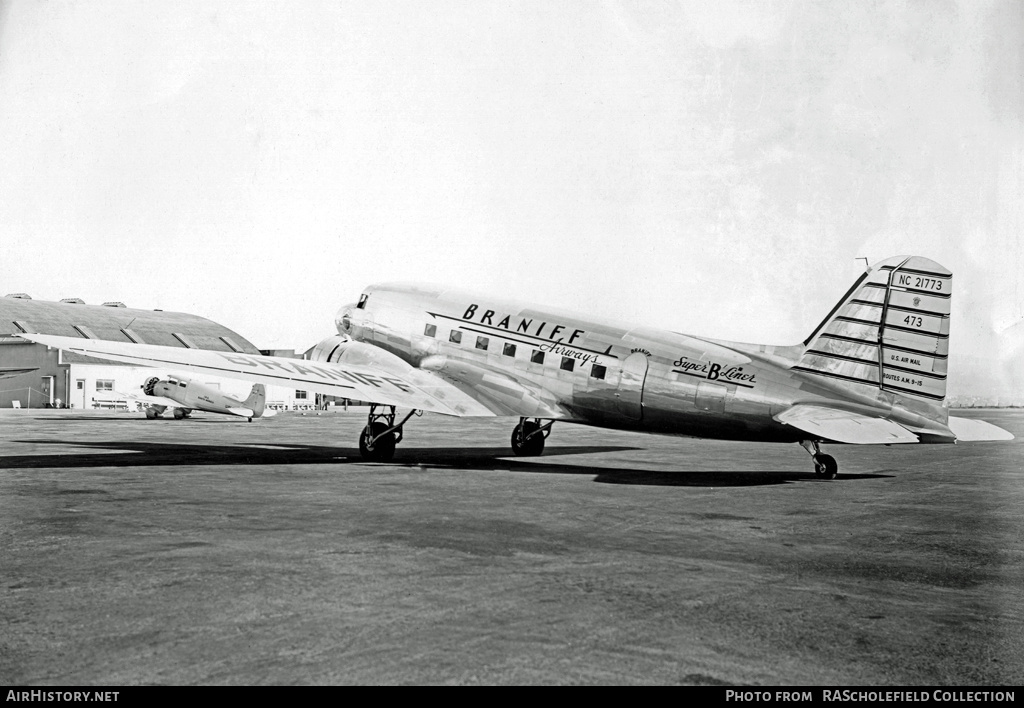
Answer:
(509, 349)
(597, 371)
(227, 340)
(430, 330)
(455, 336)
(300, 395)
(537, 357)
(185, 340)
(568, 363)
(104, 384)
(134, 337)
(482, 342)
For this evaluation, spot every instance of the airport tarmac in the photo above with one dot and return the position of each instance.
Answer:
(215, 551)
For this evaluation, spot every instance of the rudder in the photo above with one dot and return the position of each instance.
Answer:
(257, 400)
(890, 332)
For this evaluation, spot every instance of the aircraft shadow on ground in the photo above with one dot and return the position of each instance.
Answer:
(150, 454)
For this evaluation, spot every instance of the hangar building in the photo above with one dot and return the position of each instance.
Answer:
(66, 379)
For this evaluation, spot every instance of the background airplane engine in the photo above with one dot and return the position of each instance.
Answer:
(341, 349)
(148, 387)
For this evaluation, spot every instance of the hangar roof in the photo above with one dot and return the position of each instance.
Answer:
(120, 324)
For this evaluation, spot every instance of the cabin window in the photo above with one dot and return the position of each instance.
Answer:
(568, 363)
(509, 349)
(182, 384)
(597, 371)
(482, 342)
(300, 395)
(537, 357)
(104, 384)
(362, 302)
(455, 336)
(430, 330)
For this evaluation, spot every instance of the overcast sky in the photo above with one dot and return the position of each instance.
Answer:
(714, 168)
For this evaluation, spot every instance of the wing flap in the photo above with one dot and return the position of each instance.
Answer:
(845, 426)
(412, 388)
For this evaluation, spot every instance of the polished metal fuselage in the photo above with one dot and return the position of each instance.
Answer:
(593, 371)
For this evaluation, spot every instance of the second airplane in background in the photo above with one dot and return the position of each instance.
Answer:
(184, 396)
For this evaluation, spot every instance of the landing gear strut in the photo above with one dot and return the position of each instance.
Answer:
(825, 466)
(528, 437)
(379, 437)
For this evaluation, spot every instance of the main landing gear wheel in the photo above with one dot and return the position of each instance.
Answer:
(380, 436)
(374, 445)
(825, 466)
(528, 438)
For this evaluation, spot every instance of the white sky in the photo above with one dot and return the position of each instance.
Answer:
(713, 168)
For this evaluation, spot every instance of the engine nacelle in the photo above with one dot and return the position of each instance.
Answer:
(147, 388)
(341, 349)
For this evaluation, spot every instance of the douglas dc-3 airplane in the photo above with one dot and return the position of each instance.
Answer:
(873, 372)
(184, 396)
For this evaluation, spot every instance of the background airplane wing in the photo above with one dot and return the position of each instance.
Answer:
(844, 426)
(412, 388)
(9, 372)
(151, 400)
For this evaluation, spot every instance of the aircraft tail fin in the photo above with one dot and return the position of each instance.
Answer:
(890, 332)
(257, 400)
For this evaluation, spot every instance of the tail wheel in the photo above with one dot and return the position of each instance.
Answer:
(383, 447)
(825, 466)
(524, 445)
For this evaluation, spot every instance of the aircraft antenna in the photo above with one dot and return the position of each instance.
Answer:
(862, 258)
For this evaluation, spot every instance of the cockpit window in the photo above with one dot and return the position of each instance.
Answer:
(362, 302)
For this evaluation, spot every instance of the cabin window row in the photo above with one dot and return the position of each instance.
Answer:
(508, 349)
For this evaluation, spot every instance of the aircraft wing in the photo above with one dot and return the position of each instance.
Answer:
(413, 388)
(9, 372)
(844, 426)
(151, 400)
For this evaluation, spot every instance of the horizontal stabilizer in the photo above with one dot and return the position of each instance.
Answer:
(973, 430)
(244, 412)
(844, 426)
